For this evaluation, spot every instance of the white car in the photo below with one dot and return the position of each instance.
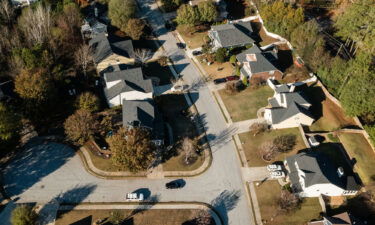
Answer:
(273, 167)
(277, 174)
(179, 88)
(134, 197)
(313, 141)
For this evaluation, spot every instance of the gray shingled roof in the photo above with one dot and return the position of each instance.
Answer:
(102, 48)
(265, 61)
(130, 80)
(145, 113)
(282, 88)
(233, 34)
(318, 169)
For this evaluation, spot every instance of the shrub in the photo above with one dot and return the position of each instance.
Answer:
(258, 128)
(245, 81)
(257, 82)
(238, 71)
(231, 87)
(221, 55)
(233, 59)
(24, 215)
(285, 143)
(163, 61)
(289, 201)
(88, 101)
(371, 132)
(268, 151)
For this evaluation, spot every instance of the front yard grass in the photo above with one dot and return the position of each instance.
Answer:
(192, 39)
(245, 104)
(329, 116)
(157, 216)
(268, 194)
(217, 70)
(251, 145)
(358, 148)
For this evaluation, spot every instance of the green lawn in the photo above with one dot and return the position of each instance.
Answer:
(192, 39)
(330, 116)
(102, 163)
(251, 145)
(245, 104)
(157, 216)
(358, 147)
(268, 194)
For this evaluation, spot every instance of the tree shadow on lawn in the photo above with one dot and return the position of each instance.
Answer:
(221, 138)
(225, 202)
(33, 164)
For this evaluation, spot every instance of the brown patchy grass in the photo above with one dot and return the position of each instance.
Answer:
(192, 39)
(217, 70)
(157, 216)
(245, 104)
(357, 147)
(251, 145)
(102, 163)
(268, 194)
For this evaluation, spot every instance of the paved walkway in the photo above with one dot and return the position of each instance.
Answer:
(244, 126)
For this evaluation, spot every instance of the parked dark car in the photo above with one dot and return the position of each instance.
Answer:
(196, 52)
(233, 77)
(220, 80)
(175, 184)
(181, 45)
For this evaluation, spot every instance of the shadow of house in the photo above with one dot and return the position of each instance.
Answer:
(180, 67)
(85, 221)
(31, 165)
(221, 138)
(225, 202)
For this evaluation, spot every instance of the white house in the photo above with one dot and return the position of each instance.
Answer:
(313, 174)
(287, 108)
(128, 84)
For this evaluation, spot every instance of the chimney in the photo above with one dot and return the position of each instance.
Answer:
(340, 171)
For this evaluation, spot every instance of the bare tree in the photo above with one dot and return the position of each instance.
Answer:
(142, 55)
(289, 201)
(231, 87)
(257, 128)
(268, 150)
(203, 217)
(285, 143)
(83, 57)
(6, 11)
(189, 147)
(36, 23)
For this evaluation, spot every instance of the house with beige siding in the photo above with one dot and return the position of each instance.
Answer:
(108, 52)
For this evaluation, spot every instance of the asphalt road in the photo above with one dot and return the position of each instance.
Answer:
(52, 171)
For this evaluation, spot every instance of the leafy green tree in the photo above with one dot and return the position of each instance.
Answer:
(34, 85)
(304, 37)
(357, 23)
(132, 148)
(23, 215)
(221, 55)
(88, 101)
(120, 11)
(333, 75)
(81, 126)
(135, 28)
(207, 11)
(187, 14)
(9, 123)
(33, 57)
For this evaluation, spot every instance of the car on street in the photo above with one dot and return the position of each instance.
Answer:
(274, 167)
(196, 52)
(134, 197)
(233, 77)
(175, 184)
(220, 80)
(277, 174)
(181, 45)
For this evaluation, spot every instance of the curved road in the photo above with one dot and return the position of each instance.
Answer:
(49, 171)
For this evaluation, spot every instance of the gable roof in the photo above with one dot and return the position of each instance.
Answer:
(129, 80)
(265, 61)
(281, 114)
(233, 34)
(317, 168)
(103, 47)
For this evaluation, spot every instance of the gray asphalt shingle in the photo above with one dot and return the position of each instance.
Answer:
(233, 34)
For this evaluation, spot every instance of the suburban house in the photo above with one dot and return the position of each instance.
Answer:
(108, 52)
(256, 63)
(144, 113)
(129, 84)
(339, 219)
(313, 174)
(231, 35)
(93, 27)
(288, 107)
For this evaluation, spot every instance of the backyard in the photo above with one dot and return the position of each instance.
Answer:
(359, 149)
(245, 104)
(268, 194)
(330, 116)
(263, 38)
(193, 37)
(148, 217)
(252, 144)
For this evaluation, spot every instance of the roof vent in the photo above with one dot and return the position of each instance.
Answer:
(340, 172)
